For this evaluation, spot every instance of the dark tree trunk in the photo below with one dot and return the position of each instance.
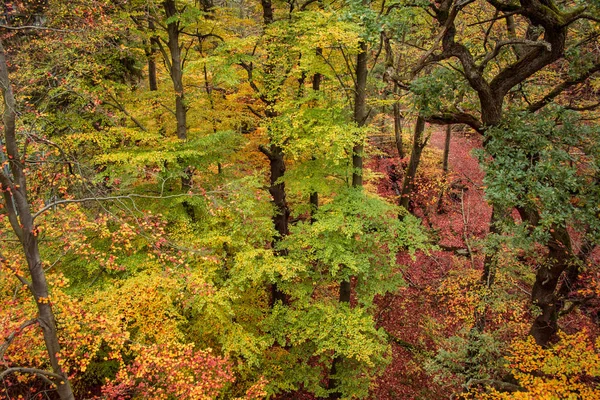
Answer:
(398, 130)
(360, 113)
(360, 118)
(446, 149)
(267, 7)
(152, 82)
(544, 292)
(276, 163)
(13, 185)
(151, 56)
(176, 69)
(415, 158)
(281, 218)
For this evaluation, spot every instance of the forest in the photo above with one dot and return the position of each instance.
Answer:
(300, 199)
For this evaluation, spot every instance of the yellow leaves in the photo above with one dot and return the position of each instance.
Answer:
(144, 304)
(567, 370)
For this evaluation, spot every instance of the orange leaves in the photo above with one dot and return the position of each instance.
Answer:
(171, 371)
(567, 370)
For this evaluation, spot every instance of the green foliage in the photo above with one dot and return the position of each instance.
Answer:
(546, 162)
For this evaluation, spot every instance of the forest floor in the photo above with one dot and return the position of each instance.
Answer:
(420, 314)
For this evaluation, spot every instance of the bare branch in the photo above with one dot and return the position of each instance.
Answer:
(263, 149)
(253, 111)
(39, 28)
(108, 198)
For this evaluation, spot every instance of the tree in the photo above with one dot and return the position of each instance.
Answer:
(491, 86)
(13, 181)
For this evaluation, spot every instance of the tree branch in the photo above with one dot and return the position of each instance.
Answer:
(14, 334)
(34, 371)
(108, 198)
(496, 384)
(456, 118)
(562, 87)
(121, 108)
(490, 56)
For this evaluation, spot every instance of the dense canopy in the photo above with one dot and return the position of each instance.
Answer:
(300, 199)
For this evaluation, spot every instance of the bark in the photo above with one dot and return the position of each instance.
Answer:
(14, 189)
(445, 166)
(530, 59)
(360, 113)
(415, 158)
(276, 159)
(267, 7)
(176, 69)
(398, 130)
(151, 56)
(282, 212)
(446, 149)
(360, 118)
(544, 292)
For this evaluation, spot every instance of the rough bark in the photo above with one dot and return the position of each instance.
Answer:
(176, 69)
(282, 213)
(14, 190)
(276, 158)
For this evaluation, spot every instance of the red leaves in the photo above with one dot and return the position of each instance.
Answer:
(171, 371)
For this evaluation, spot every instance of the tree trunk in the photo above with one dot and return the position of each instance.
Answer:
(544, 292)
(398, 130)
(445, 167)
(415, 158)
(360, 118)
(13, 184)
(176, 69)
(316, 85)
(151, 56)
(360, 113)
(281, 218)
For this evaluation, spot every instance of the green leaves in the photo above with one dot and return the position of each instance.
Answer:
(545, 162)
